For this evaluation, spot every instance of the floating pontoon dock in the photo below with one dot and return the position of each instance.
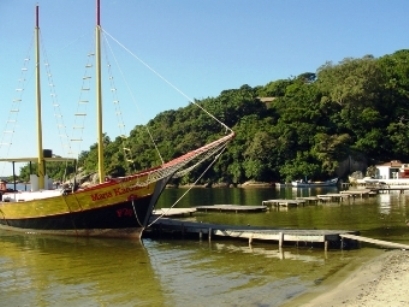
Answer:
(232, 208)
(389, 189)
(283, 202)
(358, 192)
(215, 208)
(333, 197)
(174, 212)
(167, 227)
(309, 199)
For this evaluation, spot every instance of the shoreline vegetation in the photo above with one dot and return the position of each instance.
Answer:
(248, 184)
(379, 282)
(317, 124)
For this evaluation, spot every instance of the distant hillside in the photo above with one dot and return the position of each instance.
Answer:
(287, 129)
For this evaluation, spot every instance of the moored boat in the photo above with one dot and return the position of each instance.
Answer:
(303, 184)
(114, 207)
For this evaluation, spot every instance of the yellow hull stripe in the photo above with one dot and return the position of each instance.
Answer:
(87, 199)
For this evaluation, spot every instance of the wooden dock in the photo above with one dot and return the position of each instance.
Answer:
(231, 208)
(388, 189)
(283, 202)
(358, 193)
(309, 199)
(175, 212)
(180, 212)
(302, 201)
(307, 237)
(333, 197)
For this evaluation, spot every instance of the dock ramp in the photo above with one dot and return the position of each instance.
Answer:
(374, 241)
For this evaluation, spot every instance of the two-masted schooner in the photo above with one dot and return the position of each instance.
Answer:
(119, 207)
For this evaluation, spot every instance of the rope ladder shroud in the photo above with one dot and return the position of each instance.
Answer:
(172, 167)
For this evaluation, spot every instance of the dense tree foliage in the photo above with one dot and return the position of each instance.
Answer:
(309, 125)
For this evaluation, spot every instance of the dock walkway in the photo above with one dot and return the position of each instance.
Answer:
(179, 212)
(183, 228)
(333, 197)
(174, 211)
(283, 202)
(309, 199)
(231, 208)
(302, 201)
(358, 192)
(389, 189)
(375, 241)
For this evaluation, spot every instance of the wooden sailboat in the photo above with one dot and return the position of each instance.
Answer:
(120, 207)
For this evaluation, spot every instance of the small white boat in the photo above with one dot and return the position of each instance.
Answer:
(304, 184)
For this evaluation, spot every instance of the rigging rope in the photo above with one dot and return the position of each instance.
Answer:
(136, 215)
(132, 95)
(59, 119)
(168, 82)
(171, 167)
(82, 105)
(184, 194)
(11, 123)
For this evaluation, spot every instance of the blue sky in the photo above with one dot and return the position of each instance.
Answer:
(201, 47)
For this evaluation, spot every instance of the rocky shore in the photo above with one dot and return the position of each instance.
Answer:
(382, 282)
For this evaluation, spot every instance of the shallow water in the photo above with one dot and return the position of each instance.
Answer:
(55, 271)
(384, 216)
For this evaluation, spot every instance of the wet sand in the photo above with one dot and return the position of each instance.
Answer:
(383, 281)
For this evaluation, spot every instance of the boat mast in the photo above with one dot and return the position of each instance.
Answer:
(40, 154)
(101, 170)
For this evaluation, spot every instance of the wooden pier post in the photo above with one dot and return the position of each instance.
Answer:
(210, 234)
(250, 240)
(200, 235)
(325, 245)
(280, 239)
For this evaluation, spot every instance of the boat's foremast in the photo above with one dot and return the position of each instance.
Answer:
(101, 170)
(40, 153)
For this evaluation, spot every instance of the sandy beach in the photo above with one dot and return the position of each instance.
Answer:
(382, 281)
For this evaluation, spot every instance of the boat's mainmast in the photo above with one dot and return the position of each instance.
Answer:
(40, 154)
(101, 170)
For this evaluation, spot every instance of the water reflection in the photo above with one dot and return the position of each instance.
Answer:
(278, 253)
(378, 216)
(385, 203)
(235, 274)
(58, 271)
(55, 271)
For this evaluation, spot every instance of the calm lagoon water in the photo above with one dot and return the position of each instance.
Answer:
(56, 271)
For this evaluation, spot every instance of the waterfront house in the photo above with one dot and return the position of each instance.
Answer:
(394, 169)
